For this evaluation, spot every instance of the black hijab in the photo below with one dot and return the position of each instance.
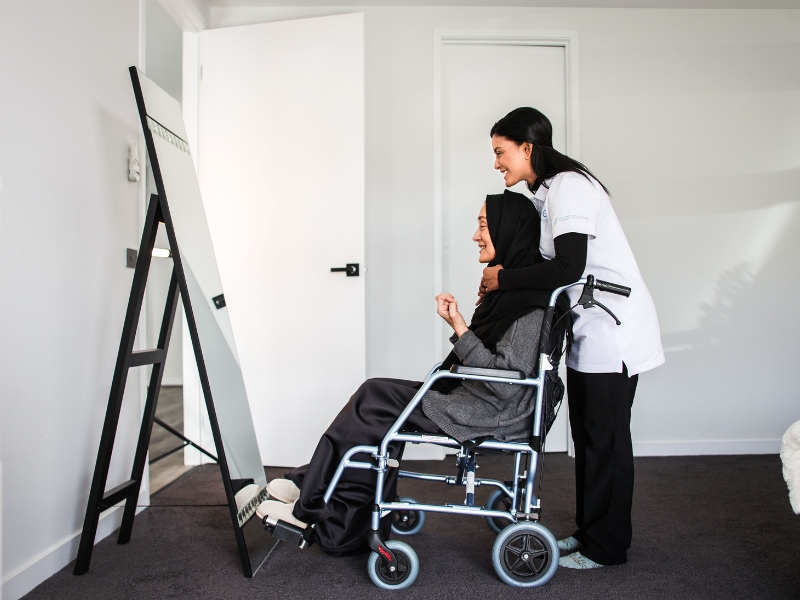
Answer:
(514, 226)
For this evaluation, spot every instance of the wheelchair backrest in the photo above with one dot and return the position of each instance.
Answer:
(556, 328)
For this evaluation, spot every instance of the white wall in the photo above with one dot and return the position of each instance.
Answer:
(692, 119)
(68, 213)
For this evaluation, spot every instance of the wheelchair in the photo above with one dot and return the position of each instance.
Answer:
(525, 553)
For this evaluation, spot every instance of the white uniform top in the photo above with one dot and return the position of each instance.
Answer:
(572, 204)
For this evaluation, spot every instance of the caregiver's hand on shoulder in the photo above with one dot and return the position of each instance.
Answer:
(489, 282)
(447, 307)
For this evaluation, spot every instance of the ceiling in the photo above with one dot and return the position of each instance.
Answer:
(718, 4)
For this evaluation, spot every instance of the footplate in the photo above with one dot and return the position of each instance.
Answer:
(286, 532)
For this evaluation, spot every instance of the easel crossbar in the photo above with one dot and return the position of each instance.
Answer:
(140, 358)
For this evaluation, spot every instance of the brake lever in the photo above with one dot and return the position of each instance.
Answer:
(594, 302)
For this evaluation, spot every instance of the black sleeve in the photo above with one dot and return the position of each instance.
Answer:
(567, 267)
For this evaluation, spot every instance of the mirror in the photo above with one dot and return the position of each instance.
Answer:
(207, 314)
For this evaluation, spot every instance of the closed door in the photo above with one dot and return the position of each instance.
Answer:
(282, 175)
(480, 83)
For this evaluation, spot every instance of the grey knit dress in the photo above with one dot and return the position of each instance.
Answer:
(498, 410)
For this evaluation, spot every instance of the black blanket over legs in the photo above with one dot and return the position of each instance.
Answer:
(342, 525)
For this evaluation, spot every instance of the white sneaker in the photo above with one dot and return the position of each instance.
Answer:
(278, 511)
(284, 490)
(576, 560)
(568, 544)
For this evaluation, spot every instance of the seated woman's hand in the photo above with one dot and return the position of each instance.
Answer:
(447, 307)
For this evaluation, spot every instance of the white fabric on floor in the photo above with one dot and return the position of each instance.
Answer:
(790, 455)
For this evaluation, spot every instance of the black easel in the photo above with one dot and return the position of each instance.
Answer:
(99, 499)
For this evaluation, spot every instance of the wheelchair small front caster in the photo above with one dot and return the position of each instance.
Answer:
(525, 555)
(404, 573)
(407, 522)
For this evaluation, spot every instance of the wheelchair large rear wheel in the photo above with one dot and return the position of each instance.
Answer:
(404, 574)
(525, 555)
(407, 522)
(498, 501)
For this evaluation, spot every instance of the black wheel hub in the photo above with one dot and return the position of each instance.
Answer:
(406, 520)
(525, 556)
(401, 572)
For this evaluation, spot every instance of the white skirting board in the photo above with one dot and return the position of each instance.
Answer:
(171, 381)
(706, 447)
(58, 556)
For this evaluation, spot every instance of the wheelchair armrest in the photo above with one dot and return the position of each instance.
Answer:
(462, 370)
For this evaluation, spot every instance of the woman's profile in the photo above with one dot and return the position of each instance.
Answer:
(503, 334)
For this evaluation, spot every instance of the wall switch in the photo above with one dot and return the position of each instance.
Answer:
(131, 256)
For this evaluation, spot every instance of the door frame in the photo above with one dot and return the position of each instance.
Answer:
(195, 418)
(479, 37)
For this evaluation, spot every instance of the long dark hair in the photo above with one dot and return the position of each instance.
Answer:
(527, 124)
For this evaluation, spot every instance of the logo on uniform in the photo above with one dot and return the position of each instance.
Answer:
(574, 217)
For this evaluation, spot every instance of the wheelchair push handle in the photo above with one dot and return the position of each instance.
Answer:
(613, 288)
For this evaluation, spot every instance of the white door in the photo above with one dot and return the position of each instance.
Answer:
(480, 83)
(282, 175)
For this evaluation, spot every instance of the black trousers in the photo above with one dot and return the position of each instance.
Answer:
(342, 524)
(600, 417)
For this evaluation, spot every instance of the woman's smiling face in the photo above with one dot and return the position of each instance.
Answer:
(512, 160)
(483, 239)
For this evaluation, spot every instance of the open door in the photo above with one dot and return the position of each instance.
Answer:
(281, 166)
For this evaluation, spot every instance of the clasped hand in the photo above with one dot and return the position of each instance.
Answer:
(447, 307)
(489, 282)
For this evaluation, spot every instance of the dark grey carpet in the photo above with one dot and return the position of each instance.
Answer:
(704, 527)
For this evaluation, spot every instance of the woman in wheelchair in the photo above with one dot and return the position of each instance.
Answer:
(504, 334)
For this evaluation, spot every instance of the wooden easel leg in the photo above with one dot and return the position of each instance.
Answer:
(153, 390)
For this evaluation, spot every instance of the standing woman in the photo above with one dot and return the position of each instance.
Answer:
(581, 235)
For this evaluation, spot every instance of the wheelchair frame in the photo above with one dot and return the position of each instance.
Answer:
(525, 506)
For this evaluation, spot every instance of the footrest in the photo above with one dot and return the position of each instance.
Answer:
(287, 532)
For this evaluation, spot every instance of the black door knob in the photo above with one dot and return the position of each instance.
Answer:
(351, 269)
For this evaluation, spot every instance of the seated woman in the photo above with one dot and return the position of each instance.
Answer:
(504, 334)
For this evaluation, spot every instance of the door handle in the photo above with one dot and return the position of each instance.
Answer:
(351, 269)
